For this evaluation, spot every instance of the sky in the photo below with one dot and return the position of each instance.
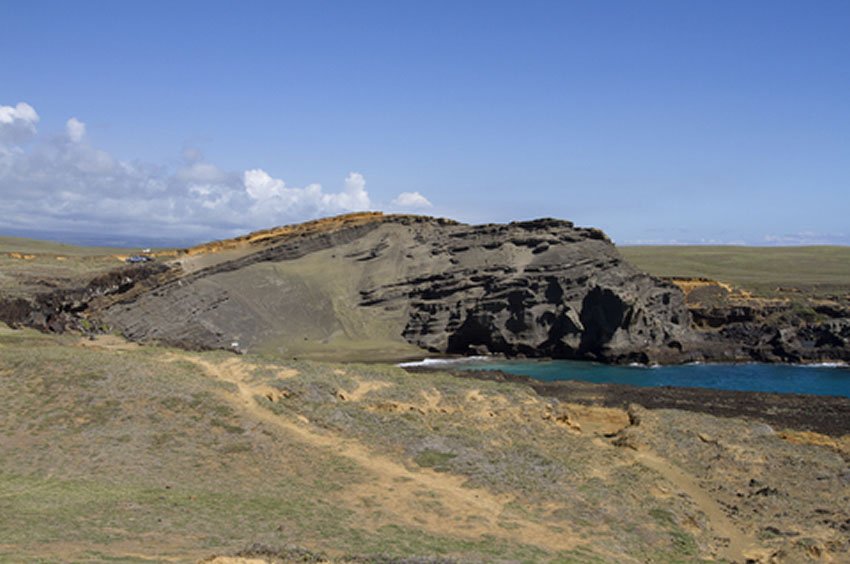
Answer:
(660, 122)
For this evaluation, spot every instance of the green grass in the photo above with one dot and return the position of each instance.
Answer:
(821, 269)
(50, 264)
(110, 453)
(433, 459)
(34, 246)
(104, 451)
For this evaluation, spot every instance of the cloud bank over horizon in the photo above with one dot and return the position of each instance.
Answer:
(59, 185)
(62, 183)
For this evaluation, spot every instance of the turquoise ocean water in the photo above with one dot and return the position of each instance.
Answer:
(801, 379)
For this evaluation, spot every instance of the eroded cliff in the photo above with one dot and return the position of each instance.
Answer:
(370, 286)
(539, 288)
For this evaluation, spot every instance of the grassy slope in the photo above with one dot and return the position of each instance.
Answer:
(143, 453)
(330, 325)
(759, 269)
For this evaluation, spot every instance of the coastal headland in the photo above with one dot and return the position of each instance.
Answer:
(208, 404)
(371, 286)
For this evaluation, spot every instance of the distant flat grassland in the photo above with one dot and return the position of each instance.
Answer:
(29, 266)
(34, 246)
(821, 269)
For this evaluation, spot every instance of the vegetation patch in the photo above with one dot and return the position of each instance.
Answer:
(434, 459)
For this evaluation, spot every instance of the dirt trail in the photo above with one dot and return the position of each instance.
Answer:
(439, 503)
(741, 547)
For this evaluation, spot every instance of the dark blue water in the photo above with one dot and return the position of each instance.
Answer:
(820, 380)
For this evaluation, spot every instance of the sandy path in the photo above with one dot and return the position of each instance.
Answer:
(741, 547)
(400, 493)
(738, 546)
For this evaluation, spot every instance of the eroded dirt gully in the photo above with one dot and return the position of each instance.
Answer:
(398, 488)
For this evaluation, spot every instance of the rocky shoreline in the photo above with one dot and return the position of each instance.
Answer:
(827, 415)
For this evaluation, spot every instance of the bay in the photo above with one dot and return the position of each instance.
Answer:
(827, 380)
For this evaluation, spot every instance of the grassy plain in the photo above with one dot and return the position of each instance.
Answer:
(37, 246)
(28, 266)
(817, 270)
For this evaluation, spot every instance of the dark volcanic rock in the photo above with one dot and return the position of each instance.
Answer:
(558, 291)
(808, 342)
(747, 328)
(67, 308)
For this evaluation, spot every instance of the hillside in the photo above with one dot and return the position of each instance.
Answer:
(29, 266)
(370, 286)
(114, 451)
(168, 447)
(367, 283)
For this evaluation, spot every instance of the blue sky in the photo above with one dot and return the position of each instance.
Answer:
(688, 122)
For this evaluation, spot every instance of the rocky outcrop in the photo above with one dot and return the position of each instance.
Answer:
(739, 326)
(539, 288)
(565, 292)
(67, 309)
(766, 341)
(543, 288)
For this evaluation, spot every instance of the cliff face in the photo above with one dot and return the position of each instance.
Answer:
(736, 325)
(370, 287)
(540, 288)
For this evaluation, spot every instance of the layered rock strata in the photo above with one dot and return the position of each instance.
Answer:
(538, 288)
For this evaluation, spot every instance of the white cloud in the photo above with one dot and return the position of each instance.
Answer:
(261, 186)
(807, 238)
(17, 123)
(75, 129)
(354, 198)
(55, 185)
(22, 112)
(411, 200)
(272, 196)
(201, 172)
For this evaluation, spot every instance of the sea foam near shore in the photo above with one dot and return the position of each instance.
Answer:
(443, 361)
